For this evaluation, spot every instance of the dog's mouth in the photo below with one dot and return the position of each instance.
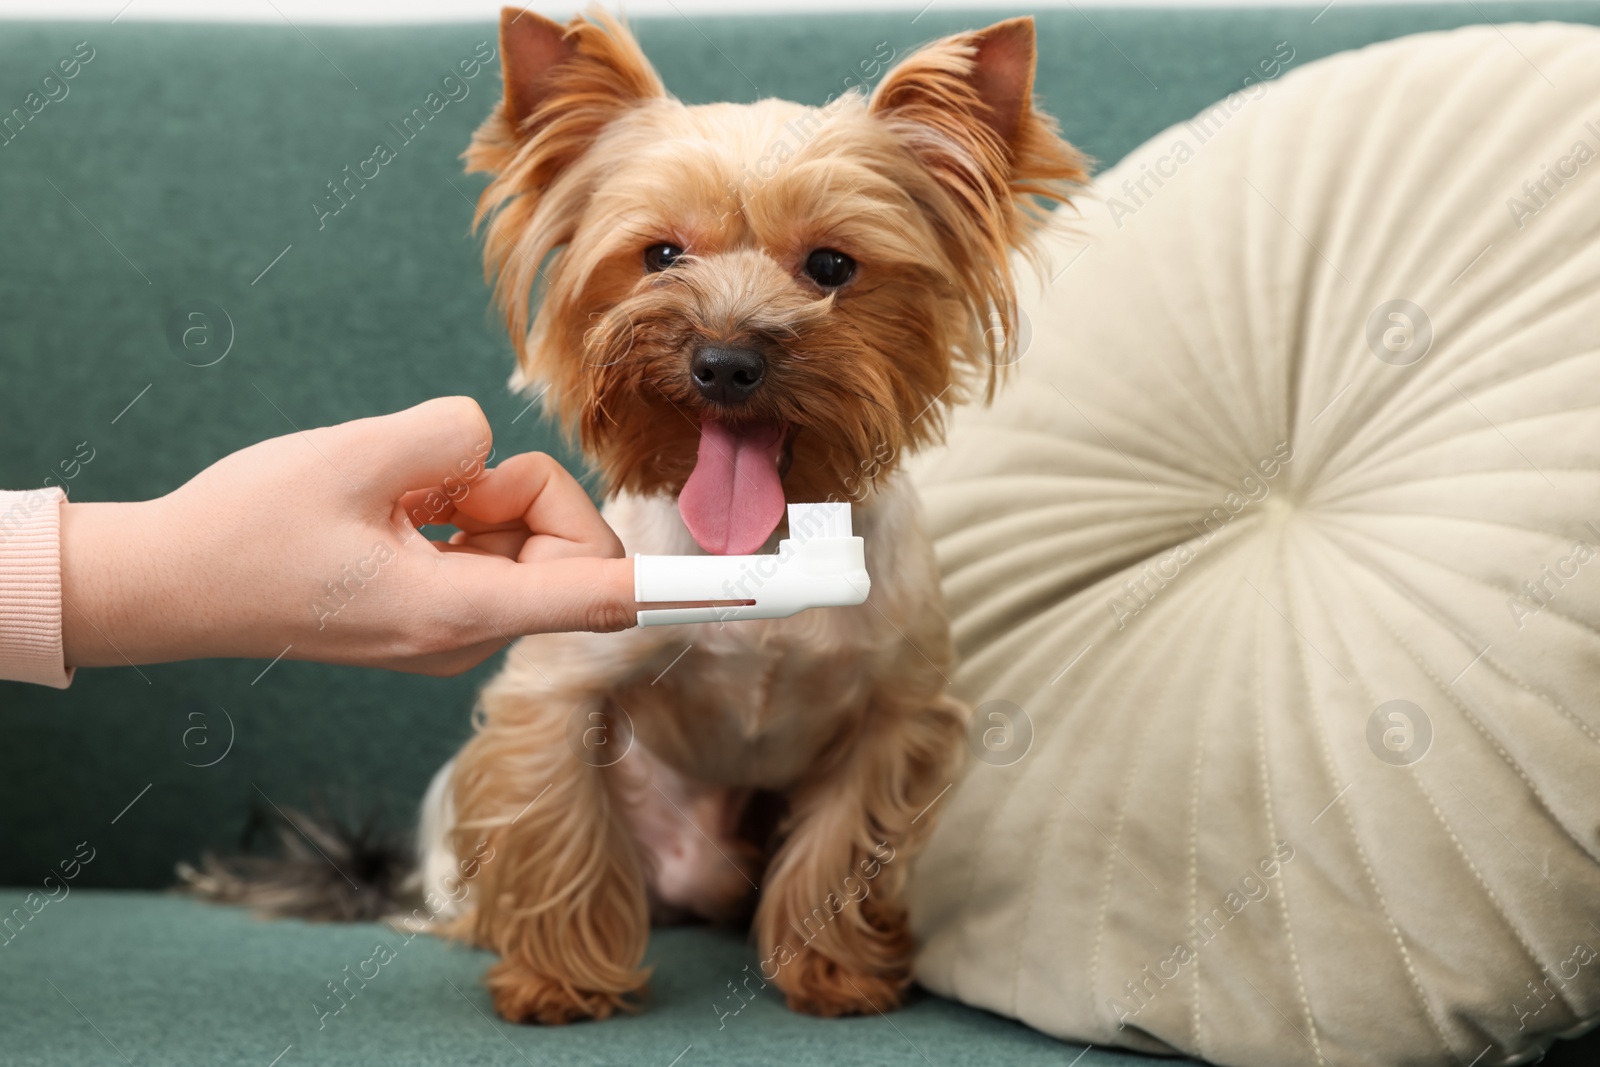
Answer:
(734, 499)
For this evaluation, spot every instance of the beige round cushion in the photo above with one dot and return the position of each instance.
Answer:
(1275, 574)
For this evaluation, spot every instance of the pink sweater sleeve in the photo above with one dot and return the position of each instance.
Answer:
(30, 588)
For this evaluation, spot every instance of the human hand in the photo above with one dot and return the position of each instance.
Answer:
(306, 546)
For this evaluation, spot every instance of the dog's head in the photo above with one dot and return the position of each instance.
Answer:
(743, 304)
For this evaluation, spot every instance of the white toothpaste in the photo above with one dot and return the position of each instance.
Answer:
(819, 565)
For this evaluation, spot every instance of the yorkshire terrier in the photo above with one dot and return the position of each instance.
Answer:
(742, 305)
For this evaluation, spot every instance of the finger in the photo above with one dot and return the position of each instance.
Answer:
(547, 596)
(468, 524)
(540, 493)
(433, 514)
(444, 441)
(428, 507)
(444, 664)
(506, 543)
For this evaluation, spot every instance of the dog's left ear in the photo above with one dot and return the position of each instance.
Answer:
(964, 106)
(563, 86)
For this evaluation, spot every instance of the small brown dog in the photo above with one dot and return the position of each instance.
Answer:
(742, 305)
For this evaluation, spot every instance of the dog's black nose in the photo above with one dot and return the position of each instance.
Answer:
(727, 375)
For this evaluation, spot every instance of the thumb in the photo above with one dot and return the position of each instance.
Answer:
(547, 595)
(443, 440)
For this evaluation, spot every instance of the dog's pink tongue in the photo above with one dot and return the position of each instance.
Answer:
(734, 498)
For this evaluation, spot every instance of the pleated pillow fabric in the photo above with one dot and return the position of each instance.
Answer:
(1275, 574)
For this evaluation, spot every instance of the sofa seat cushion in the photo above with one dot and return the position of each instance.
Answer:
(95, 976)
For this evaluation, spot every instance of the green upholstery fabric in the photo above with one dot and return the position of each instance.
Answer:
(182, 166)
(102, 975)
(170, 981)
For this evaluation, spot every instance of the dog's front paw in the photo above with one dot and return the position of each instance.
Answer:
(523, 995)
(817, 985)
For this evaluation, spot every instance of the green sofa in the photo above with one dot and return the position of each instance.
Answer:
(185, 170)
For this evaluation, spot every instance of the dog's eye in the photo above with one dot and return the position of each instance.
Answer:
(828, 268)
(660, 257)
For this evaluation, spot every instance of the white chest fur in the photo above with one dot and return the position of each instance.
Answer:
(762, 696)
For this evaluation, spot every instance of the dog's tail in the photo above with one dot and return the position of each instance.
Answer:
(324, 870)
